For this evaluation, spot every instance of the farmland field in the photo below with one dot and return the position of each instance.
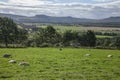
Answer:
(68, 64)
(82, 28)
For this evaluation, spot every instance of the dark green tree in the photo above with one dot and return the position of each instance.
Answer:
(48, 36)
(9, 32)
(8, 29)
(117, 42)
(50, 30)
(67, 36)
(70, 38)
(91, 38)
(21, 36)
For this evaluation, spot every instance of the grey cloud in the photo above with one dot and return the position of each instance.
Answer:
(65, 9)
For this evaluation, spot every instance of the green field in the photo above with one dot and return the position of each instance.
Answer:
(68, 64)
(100, 36)
(62, 29)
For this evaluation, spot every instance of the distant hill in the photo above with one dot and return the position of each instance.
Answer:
(111, 19)
(45, 19)
(107, 22)
(15, 17)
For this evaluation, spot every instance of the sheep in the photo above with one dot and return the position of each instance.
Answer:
(110, 56)
(24, 64)
(12, 61)
(87, 54)
(7, 55)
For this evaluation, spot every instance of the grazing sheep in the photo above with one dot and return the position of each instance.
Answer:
(110, 56)
(7, 55)
(12, 61)
(87, 54)
(24, 64)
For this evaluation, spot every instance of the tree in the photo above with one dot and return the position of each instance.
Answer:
(8, 29)
(91, 38)
(67, 36)
(21, 36)
(83, 40)
(117, 42)
(48, 36)
(70, 38)
(9, 32)
(50, 30)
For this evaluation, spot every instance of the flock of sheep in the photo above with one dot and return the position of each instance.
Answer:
(22, 63)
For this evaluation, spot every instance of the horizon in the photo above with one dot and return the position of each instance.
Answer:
(57, 16)
(90, 9)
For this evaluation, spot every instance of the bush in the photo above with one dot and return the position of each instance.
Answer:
(45, 45)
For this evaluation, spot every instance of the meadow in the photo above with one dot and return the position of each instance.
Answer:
(53, 64)
(62, 29)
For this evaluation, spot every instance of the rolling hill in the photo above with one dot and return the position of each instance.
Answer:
(107, 22)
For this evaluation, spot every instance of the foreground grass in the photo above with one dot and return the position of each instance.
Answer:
(68, 64)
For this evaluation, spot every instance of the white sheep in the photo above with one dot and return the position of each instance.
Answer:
(24, 64)
(87, 54)
(110, 56)
(12, 61)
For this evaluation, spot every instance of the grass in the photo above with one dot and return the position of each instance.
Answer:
(68, 64)
(62, 29)
(100, 36)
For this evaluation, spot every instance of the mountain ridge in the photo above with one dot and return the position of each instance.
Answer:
(107, 22)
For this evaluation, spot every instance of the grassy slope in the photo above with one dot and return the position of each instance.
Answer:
(68, 64)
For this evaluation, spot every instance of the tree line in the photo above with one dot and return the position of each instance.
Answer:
(49, 37)
(13, 36)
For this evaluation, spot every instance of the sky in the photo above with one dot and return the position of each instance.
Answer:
(93, 9)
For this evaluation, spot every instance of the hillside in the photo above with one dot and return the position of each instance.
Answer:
(45, 19)
(107, 22)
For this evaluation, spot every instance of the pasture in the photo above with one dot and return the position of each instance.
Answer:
(62, 28)
(53, 64)
(82, 29)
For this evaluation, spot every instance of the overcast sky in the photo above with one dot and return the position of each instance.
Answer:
(95, 9)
